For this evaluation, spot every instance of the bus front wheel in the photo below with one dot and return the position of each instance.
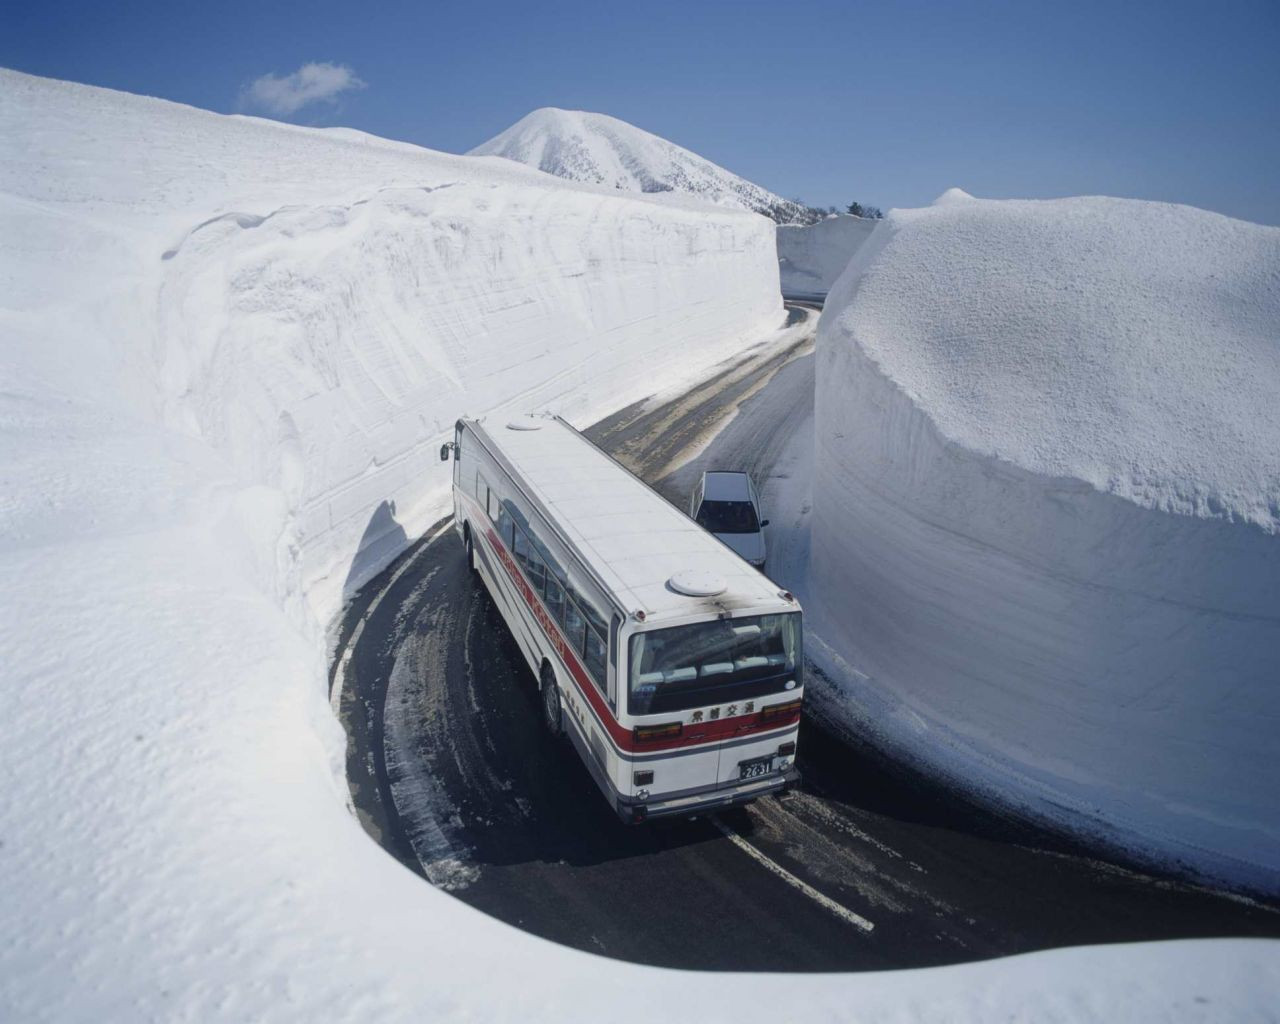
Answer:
(551, 702)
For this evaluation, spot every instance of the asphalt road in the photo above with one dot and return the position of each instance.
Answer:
(868, 866)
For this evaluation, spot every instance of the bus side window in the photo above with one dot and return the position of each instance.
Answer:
(611, 687)
(593, 655)
(555, 597)
(537, 573)
(575, 627)
(520, 548)
(491, 503)
(506, 524)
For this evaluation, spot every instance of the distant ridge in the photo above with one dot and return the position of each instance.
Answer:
(602, 150)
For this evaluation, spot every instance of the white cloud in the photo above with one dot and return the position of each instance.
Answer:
(311, 83)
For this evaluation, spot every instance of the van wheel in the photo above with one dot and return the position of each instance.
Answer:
(551, 712)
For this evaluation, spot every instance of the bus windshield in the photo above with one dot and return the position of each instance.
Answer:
(714, 662)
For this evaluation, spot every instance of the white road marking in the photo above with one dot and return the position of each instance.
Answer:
(842, 912)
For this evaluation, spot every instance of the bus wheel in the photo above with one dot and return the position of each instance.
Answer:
(471, 554)
(551, 701)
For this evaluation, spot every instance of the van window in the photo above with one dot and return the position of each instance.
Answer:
(728, 517)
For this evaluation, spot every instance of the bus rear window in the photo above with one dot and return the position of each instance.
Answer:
(716, 662)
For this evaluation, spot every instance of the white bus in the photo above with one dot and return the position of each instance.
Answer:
(673, 666)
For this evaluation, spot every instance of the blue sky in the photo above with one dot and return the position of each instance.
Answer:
(888, 103)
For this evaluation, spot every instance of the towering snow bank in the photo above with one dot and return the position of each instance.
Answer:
(1047, 506)
(318, 307)
(596, 148)
(812, 256)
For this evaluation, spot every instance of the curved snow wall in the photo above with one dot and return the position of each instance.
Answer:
(318, 306)
(340, 342)
(812, 256)
(1105, 655)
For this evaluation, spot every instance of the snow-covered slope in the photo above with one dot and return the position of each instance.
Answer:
(1046, 534)
(602, 150)
(812, 256)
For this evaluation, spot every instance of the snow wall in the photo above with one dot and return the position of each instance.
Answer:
(320, 306)
(1047, 496)
(226, 346)
(812, 256)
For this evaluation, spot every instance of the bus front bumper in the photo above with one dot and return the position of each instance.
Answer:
(634, 812)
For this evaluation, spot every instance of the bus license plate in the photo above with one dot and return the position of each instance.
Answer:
(754, 769)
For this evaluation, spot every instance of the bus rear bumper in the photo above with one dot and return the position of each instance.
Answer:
(635, 812)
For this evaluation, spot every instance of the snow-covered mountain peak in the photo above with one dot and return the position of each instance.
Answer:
(603, 150)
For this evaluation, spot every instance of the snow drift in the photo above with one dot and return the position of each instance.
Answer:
(1047, 506)
(813, 256)
(596, 148)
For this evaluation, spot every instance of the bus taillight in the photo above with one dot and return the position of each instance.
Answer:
(666, 731)
(778, 711)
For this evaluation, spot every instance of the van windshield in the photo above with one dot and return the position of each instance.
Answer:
(728, 517)
(714, 662)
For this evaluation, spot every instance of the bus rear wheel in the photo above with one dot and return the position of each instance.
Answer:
(471, 554)
(551, 713)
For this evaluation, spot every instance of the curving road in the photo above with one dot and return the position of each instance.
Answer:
(866, 867)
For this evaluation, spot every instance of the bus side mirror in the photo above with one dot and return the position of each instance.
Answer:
(445, 449)
(763, 523)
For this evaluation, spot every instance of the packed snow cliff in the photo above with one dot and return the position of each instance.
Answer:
(812, 256)
(596, 148)
(1046, 541)
(319, 307)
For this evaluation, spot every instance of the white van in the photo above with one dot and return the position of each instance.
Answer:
(726, 504)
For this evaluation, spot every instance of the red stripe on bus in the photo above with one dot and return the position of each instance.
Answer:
(706, 732)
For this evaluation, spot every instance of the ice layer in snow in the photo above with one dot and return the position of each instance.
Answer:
(603, 150)
(227, 346)
(812, 256)
(1047, 494)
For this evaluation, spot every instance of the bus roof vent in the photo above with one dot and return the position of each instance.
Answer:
(695, 583)
(525, 423)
